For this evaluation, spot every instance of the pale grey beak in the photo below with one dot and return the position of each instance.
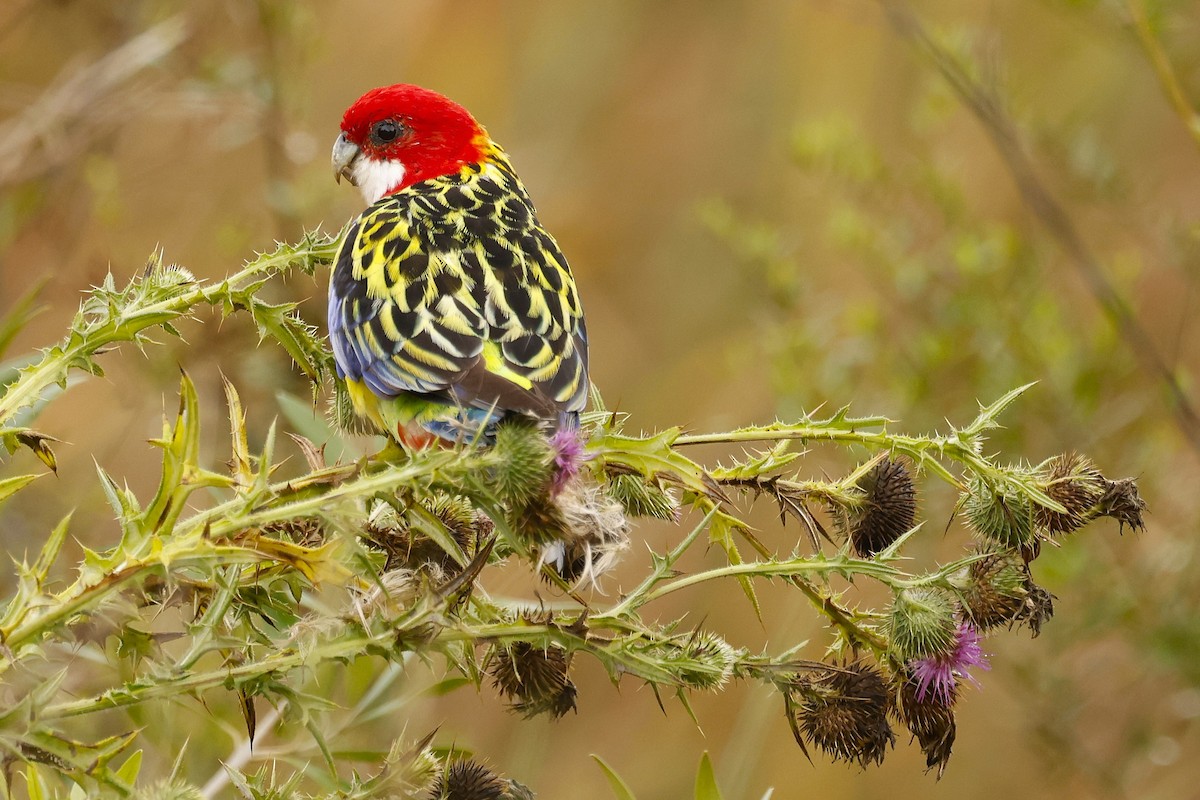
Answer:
(345, 152)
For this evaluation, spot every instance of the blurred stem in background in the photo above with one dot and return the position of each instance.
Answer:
(988, 108)
(1163, 68)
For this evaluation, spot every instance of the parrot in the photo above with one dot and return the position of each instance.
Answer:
(450, 306)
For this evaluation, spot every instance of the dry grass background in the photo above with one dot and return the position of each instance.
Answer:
(768, 206)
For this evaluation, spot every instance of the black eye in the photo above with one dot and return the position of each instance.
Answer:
(385, 132)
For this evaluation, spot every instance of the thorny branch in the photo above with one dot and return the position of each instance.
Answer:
(401, 539)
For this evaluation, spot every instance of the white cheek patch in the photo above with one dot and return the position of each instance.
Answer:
(376, 178)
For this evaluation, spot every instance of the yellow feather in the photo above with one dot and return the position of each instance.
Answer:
(493, 360)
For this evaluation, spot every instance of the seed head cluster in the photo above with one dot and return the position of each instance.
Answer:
(469, 780)
(995, 592)
(407, 547)
(887, 510)
(1074, 483)
(843, 712)
(930, 721)
(535, 679)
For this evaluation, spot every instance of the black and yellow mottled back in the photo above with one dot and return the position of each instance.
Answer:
(451, 290)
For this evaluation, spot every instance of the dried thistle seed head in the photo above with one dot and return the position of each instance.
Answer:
(1122, 502)
(394, 590)
(594, 533)
(535, 678)
(843, 712)
(1000, 514)
(389, 532)
(1074, 483)
(994, 593)
(1037, 609)
(519, 791)
(523, 460)
(641, 498)
(887, 510)
(921, 624)
(539, 521)
(469, 780)
(460, 519)
(930, 721)
(305, 531)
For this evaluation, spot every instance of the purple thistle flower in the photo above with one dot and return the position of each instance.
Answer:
(567, 445)
(937, 676)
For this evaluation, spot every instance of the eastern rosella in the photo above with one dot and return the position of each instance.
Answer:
(449, 305)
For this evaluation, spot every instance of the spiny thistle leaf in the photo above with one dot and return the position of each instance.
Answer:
(10, 486)
(706, 781)
(619, 789)
(155, 298)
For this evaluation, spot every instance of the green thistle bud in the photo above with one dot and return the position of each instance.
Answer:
(921, 624)
(523, 460)
(641, 498)
(713, 659)
(403, 538)
(930, 720)
(535, 678)
(413, 767)
(457, 514)
(994, 591)
(1000, 514)
(887, 510)
(469, 780)
(1074, 483)
(704, 662)
(169, 789)
(843, 712)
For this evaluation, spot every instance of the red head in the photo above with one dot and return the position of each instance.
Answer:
(396, 136)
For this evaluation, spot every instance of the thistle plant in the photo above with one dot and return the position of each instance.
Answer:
(243, 576)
